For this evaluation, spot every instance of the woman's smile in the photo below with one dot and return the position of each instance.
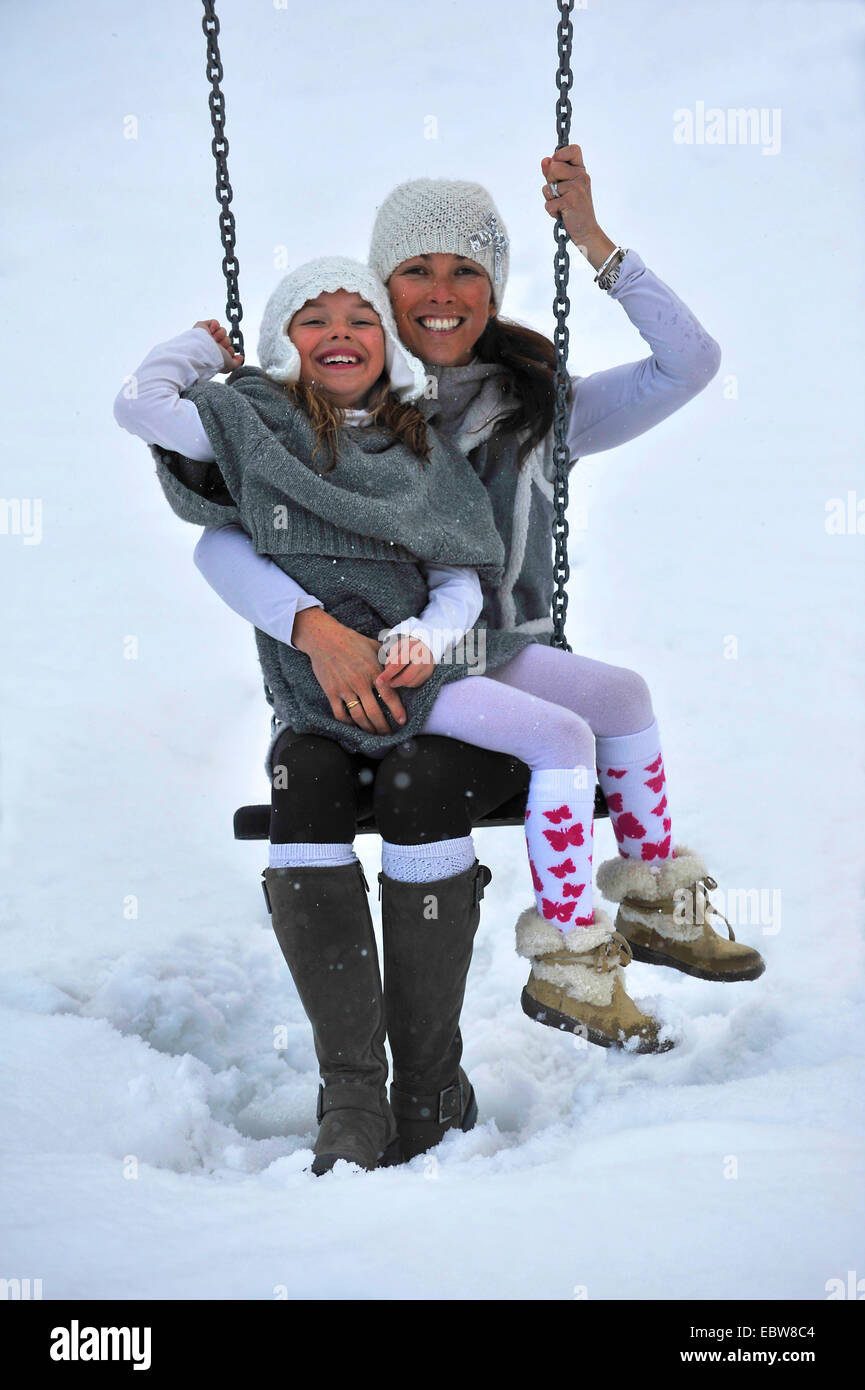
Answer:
(440, 326)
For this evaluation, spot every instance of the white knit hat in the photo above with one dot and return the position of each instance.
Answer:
(279, 357)
(449, 215)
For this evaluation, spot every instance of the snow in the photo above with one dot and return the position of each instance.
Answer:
(158, 1072)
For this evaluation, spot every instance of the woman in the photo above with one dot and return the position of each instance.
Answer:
(443, 251)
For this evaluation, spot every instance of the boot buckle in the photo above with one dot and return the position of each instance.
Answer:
(319, 1105)
(450, 1103)
(482, 878)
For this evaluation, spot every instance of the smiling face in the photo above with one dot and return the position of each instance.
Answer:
(341, 344)
(442, 304)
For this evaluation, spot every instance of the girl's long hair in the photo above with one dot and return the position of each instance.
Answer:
(531, 359)
(403, 420)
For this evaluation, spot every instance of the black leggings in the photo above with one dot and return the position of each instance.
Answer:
(428, 788)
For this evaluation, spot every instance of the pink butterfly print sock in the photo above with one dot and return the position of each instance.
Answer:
(559, 826)
(631, 774)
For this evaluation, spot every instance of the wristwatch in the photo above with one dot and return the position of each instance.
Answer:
(609, 271)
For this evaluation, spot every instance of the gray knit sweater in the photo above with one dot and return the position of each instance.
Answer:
(352, 536)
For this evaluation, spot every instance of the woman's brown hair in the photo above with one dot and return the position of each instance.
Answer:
(531, 359)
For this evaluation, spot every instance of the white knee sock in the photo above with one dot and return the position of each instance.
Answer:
(428, 862)
(311, 856)
(559, 825)
(632, 778)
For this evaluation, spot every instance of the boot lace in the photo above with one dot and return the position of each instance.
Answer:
(668, 906)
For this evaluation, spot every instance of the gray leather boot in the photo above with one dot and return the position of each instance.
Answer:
(322, 922)
(428, 931)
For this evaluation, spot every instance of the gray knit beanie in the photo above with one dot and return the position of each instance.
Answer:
(447, 215)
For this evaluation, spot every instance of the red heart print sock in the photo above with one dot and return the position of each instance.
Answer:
(632, 778)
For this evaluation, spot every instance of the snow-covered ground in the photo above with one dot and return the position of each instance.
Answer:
(154, 1135)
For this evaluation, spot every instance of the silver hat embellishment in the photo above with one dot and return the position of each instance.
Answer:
(488, 234)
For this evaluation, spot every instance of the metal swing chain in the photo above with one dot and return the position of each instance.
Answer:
(219, 146)
(561, 306)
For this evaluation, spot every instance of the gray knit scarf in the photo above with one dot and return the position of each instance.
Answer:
(468, 402)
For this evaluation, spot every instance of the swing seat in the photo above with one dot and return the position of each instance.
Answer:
(253, 822)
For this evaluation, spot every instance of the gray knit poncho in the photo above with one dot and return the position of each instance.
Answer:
(469, 400)
(352, 536)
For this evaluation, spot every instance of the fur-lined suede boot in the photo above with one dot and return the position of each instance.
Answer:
(576, 983)
(322, 922)
(664, 914)
(428, 931)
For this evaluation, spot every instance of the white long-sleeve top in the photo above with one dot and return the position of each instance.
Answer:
(609, 408)
(150, 406)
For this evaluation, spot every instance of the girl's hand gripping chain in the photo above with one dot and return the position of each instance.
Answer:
(219, 335)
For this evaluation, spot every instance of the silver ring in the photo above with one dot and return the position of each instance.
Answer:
(554, 189)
